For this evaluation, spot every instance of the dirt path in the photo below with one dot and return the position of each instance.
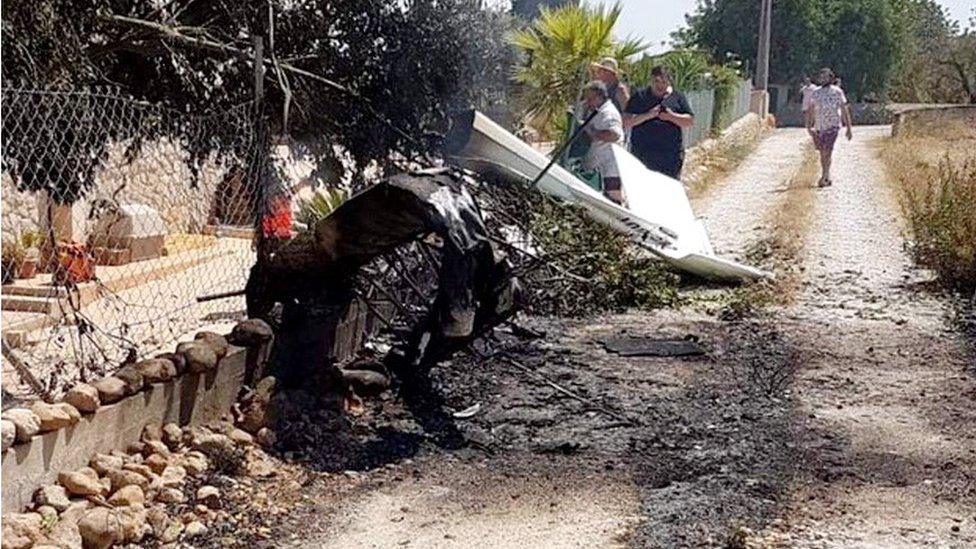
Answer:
(701, 450)
(461, 504)
(884, 382)
(734, 212)
(844, 420)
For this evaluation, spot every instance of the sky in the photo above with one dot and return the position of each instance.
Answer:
(654, 20)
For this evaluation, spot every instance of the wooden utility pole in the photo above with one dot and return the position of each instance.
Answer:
(762, 57)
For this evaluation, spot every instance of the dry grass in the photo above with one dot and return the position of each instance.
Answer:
(780, 251)
(934, 170)
(711, 166)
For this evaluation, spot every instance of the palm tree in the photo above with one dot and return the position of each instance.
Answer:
(558, 47)
(688, 69)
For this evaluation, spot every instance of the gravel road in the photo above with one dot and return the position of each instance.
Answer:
(887, 381)
(734, 210)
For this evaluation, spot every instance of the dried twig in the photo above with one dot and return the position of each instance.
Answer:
(179, 34)
(567, 392)
(24, 371)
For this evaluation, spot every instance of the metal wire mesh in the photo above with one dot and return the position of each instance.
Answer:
(117, 215)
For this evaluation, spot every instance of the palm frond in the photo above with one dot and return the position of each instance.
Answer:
(557, 48)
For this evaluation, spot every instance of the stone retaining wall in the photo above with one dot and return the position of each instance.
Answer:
(20, 210)
(864, 114)
(191, 399)
(160, 177)
(196, 394)
(936, 116)
(740, 133)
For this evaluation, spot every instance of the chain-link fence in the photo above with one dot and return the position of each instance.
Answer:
(117, 216)
(702, 103)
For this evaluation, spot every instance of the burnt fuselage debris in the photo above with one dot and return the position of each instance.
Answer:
(377, 235)
(644, 346)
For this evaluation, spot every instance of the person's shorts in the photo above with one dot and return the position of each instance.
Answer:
(613, 184)
(824, 140)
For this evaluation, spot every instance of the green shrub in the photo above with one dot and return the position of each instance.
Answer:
(320, 205)
(620, 275)
(689, 69)
(32, 239)
(725, 80)
(586, 268)
(941, 215)
(557, 49)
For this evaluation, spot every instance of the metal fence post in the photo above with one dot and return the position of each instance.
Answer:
(258, 144)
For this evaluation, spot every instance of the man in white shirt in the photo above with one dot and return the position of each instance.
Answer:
(805, 90)
(828, 109)
(605, 129)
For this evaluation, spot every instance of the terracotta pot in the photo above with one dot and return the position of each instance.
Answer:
(75, 264)
(27, 269)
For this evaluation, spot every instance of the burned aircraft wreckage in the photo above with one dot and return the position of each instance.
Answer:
(475, 288)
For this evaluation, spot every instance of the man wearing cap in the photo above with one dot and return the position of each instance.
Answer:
(657, 115)
(606, 71)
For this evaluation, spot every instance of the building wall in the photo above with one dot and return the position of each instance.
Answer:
(161, 178)
(20, 210)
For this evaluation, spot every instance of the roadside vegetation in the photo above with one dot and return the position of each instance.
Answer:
(378, 104)
(558, 46)
(934, 170)
(908, 51)
(571, 265)
(557, 49)
(693, 69)
(615, 273)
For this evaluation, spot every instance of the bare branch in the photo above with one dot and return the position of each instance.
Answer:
(177, 34)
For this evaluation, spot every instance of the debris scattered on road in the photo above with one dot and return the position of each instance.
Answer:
(646, 346)
(470, 411)
(563, 447)
(571, 394)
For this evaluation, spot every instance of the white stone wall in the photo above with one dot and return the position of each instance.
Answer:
(159, 177)
(20, 209)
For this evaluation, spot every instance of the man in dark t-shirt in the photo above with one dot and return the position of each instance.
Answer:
(657, 115)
